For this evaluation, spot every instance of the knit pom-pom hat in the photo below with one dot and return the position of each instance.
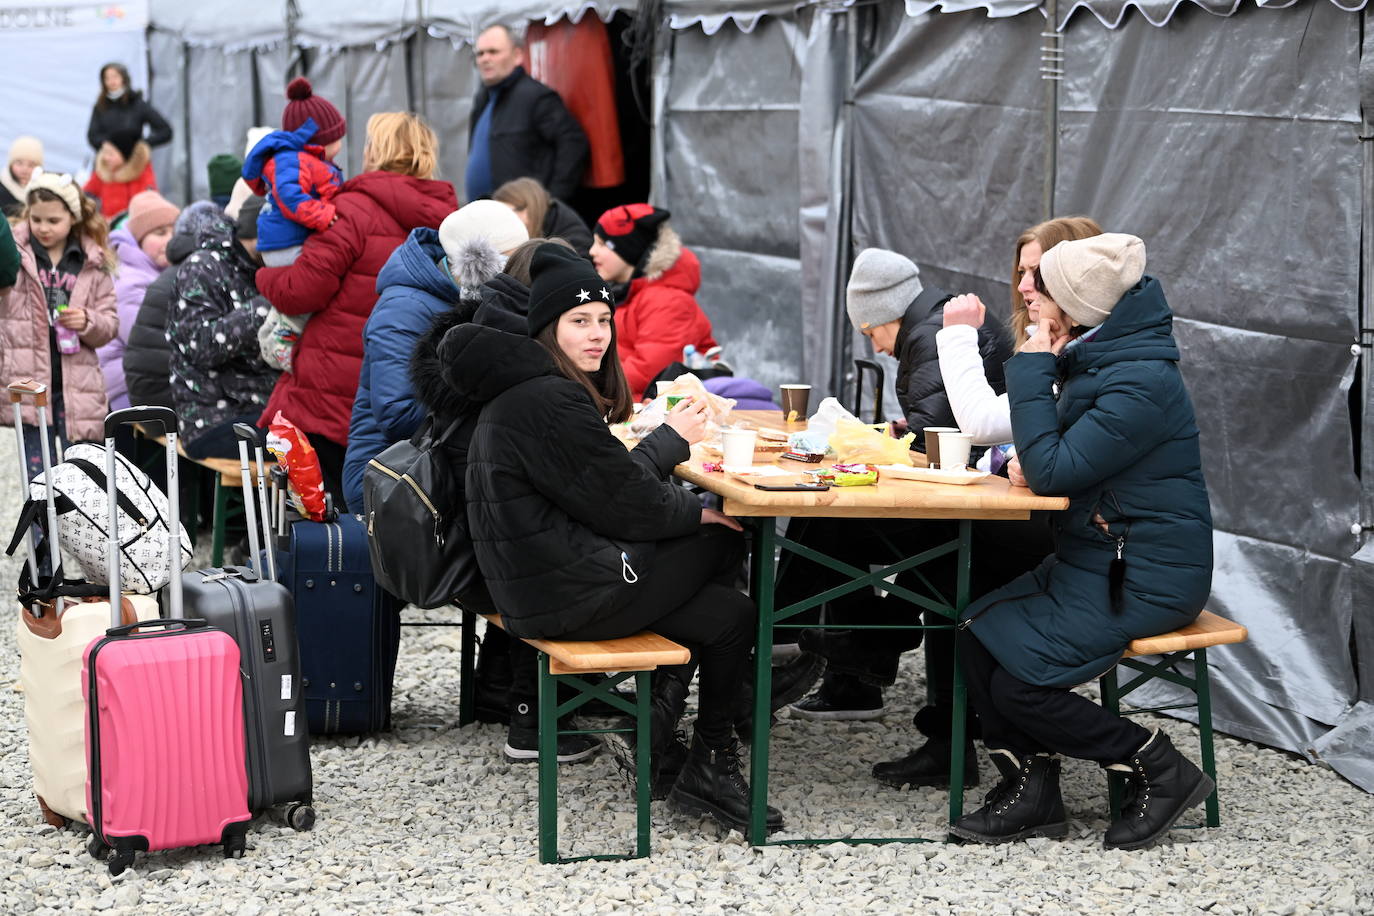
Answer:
(304, 104)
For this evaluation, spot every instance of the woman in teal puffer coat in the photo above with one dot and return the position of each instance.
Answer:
(1099, 414)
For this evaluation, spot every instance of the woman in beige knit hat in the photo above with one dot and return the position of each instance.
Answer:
(1100, 414)
(26, 154)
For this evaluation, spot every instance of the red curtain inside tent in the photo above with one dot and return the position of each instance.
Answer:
(575, 59)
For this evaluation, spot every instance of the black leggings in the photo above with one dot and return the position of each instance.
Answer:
(689, 597)
(1028, 719)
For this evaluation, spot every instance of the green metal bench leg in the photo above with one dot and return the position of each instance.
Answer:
(467, 671)
(220, 524)
(1111, 701)
(548, 763)
(1204, 726)
(643, 778)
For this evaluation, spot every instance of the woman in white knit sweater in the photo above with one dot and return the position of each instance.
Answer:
(979, 410)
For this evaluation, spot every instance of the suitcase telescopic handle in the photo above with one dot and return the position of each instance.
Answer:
(28, 388)
(178, 623)
(247, 434)
(146, 414)
(37, 392)
(168, 421)
(251, 434)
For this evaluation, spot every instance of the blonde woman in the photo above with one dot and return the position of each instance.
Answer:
(335, 279)
(977, 408)
(545, 216)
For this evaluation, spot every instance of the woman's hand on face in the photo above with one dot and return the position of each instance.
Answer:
(1049, 337)
(1014, 473)
(966, 309)
(688, 420)
(715, 517)
(73, 318)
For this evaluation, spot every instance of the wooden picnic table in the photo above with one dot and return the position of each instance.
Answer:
(989, 498)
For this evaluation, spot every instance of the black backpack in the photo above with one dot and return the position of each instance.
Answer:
(416, 516)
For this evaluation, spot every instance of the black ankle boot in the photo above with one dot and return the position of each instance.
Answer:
(667, 700)
(1024, 804)
(493, 680)
(1162, 785)
(711, 784)
(928, 765)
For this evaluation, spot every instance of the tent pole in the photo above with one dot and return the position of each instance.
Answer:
(1051, 73)
(1365, 345)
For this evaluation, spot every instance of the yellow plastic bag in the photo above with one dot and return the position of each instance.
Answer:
(859, 443)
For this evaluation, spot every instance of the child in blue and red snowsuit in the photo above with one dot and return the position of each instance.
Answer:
(293, 168)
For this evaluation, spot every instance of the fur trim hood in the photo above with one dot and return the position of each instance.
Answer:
(132, 168)
(667, 249)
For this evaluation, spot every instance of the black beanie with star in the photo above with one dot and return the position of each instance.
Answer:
(561, 280)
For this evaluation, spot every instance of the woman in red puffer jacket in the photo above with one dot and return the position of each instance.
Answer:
(335, 280)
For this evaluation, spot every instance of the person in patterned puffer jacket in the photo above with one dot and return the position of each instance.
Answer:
(218, 376)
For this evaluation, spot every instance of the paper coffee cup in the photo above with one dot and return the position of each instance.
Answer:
(954, 450)
(737, 448)
(932, 434)
(794, 401)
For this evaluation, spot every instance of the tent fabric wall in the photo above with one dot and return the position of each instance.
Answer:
(1265, 339)
(729, 131)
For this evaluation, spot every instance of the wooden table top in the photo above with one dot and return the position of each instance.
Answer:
(990, 498)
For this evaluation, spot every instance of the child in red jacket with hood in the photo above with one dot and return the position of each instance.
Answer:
(655, 279)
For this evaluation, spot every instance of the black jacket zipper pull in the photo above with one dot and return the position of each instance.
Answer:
(1116, 575)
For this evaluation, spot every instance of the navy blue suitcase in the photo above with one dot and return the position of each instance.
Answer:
(348, 627)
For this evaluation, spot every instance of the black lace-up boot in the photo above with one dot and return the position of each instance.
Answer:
(1024, 804)
(667, 700)
(1162, 784)
(711, 784)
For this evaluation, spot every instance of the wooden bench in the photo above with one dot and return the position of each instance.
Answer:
(564, 661)
(1185, 644)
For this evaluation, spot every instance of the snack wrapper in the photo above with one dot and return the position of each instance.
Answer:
(849, 475)
(858, 443)
(295, 453)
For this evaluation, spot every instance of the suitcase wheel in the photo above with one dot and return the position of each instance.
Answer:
(98, 850)
(121, 860)
(300, 816)
(235, 847)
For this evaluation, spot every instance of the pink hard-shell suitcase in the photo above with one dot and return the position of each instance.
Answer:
(164, 726)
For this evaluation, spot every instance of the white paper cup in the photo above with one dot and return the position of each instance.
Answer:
(954, 451)
(737, 448)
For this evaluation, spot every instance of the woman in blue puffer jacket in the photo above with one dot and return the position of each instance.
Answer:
(1100, 414)
(427, 275)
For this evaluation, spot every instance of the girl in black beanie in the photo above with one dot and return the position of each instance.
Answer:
(578, 538)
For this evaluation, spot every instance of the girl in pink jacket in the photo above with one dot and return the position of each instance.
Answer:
(61, 308)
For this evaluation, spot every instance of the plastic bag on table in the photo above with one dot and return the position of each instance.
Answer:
(858, 443)
(689, 386)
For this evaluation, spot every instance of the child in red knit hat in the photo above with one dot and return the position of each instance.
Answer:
(294, 169)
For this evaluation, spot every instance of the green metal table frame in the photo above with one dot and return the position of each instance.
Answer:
(766, 544)
(1167, 669)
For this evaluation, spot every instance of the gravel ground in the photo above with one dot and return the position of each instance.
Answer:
(429, 819)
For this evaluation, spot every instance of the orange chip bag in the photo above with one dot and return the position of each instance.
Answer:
(295, 453)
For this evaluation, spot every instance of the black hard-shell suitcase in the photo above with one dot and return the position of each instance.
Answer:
(259, 613)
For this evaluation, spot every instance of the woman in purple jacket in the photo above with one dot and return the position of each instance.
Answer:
(141, 247)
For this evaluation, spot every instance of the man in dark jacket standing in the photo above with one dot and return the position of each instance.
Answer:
(519, 127)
